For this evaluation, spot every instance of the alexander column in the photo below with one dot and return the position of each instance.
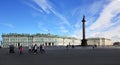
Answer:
(84, 41)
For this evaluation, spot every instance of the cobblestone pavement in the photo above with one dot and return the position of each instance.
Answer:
(62, 56)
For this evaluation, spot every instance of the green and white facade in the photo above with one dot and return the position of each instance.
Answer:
(39, 39)
(48, 40)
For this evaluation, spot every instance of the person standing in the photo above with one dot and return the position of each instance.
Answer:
(30, 48)
(35, 51)
(73, 46)
(11, 49)
(33, 48)
(20, 49)
(42, 49)
(67, 47)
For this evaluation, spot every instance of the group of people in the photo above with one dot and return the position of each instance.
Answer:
(94, 46)
(67, 46)
(34, 49)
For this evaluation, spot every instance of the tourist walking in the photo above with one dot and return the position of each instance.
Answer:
(35, 50)
(30, 48)
(42, 49)
(73, 46)
(11, 49)
(20, 49)
(67, 47)
(93, 46)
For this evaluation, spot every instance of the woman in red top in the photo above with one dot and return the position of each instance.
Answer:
(20, 49)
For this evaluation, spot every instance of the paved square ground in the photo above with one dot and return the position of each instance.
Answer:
(61, 56)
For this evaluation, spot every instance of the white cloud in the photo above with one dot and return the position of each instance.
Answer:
(90, 13)
(42, 27)
(63, 29)
(7, 25)
(64, 20)
(113, 33)
(32, 6)
(107, 25)
(77, 34)
(46, 6)
(102, 27)
(106, 16)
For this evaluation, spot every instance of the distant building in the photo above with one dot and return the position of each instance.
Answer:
(99, 41)
(39, 39)
(47, 40)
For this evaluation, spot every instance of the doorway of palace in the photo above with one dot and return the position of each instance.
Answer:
(18, 44)
(49, 43)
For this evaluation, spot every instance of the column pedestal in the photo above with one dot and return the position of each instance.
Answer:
(84, 42)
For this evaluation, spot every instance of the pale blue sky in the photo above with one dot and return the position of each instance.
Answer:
(61, 17)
